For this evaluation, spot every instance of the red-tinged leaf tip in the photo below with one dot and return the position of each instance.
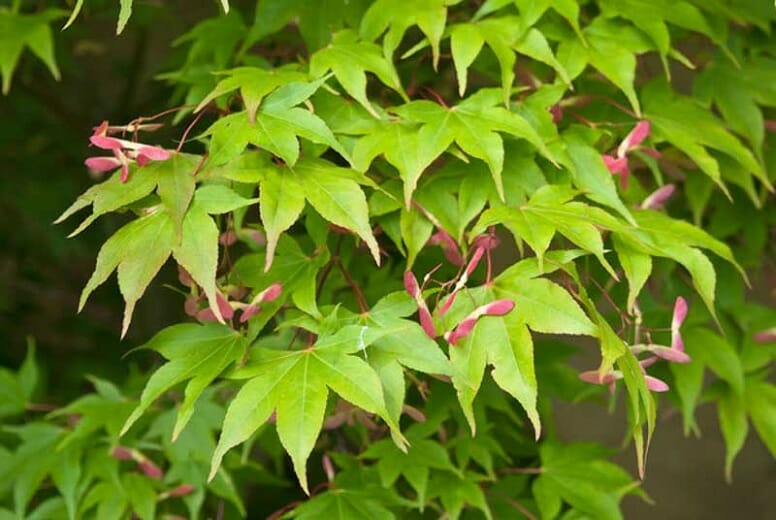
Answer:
(101, 129)
(248, 312)
(257, 237)
(102, 164)
(680, 313)
(616, 165)
(670, 354)
(223, 305)
(124, 171)
(766, 336)
(595, 377)
(655, 384)
(182, 490)
(153, 153)
(475, 260)
(658, 198)
(191, 305)
(227, 238)
(447, 303)
(498, 307)
(106, 143)
(427, 323)
(557, 113)
(150, 469)
(411, 284)
(328, 467)
(206, 315)
(487, 241)
(450, 249)
(272, 292)
(122, 453)
(636, 136)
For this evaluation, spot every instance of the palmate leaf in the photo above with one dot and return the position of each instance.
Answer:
(414, 465)
(24, 469)
(659, 235)
(505, 342)
(475, 125)
(505, 36)
(334, 193)
(611, 48)
(708, 351)
(551, 210)
(20, 31)
(195, 353)
(580, 475)
(652, 18)
(342, 505)
(254, 84)
(276, 126)
(738, 93)
(137, 251)
(173, 179)
(402, 147)
(350, 60)
(295, 385)
(693, 129)
(429, 15)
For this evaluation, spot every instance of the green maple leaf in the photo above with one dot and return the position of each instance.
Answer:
(414, 465)
(475, 125)
(428, 15)
(691, 128)
(611, 48)
(505, 36)
(579, 475)
(253, 83)
(20, 31)
(277, 127)
(335, 194)
(16, 389)
(738, 93)
(173, 180)
(403, 147)
(341, 504)
(137, 251)
(505, 342)
(551, 210)
(652, 18)
(295, 385)
(349, 60)
(24, 470)
(195, 353)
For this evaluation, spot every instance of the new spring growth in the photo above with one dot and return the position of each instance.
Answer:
(144, 464)
(464, 328)
(124, 152)
(227, 307)
(449, 247)
(416, 292)
(470, 267)
(674, 354)
(618, 163)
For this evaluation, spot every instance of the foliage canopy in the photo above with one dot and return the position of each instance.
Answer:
(391, 227)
